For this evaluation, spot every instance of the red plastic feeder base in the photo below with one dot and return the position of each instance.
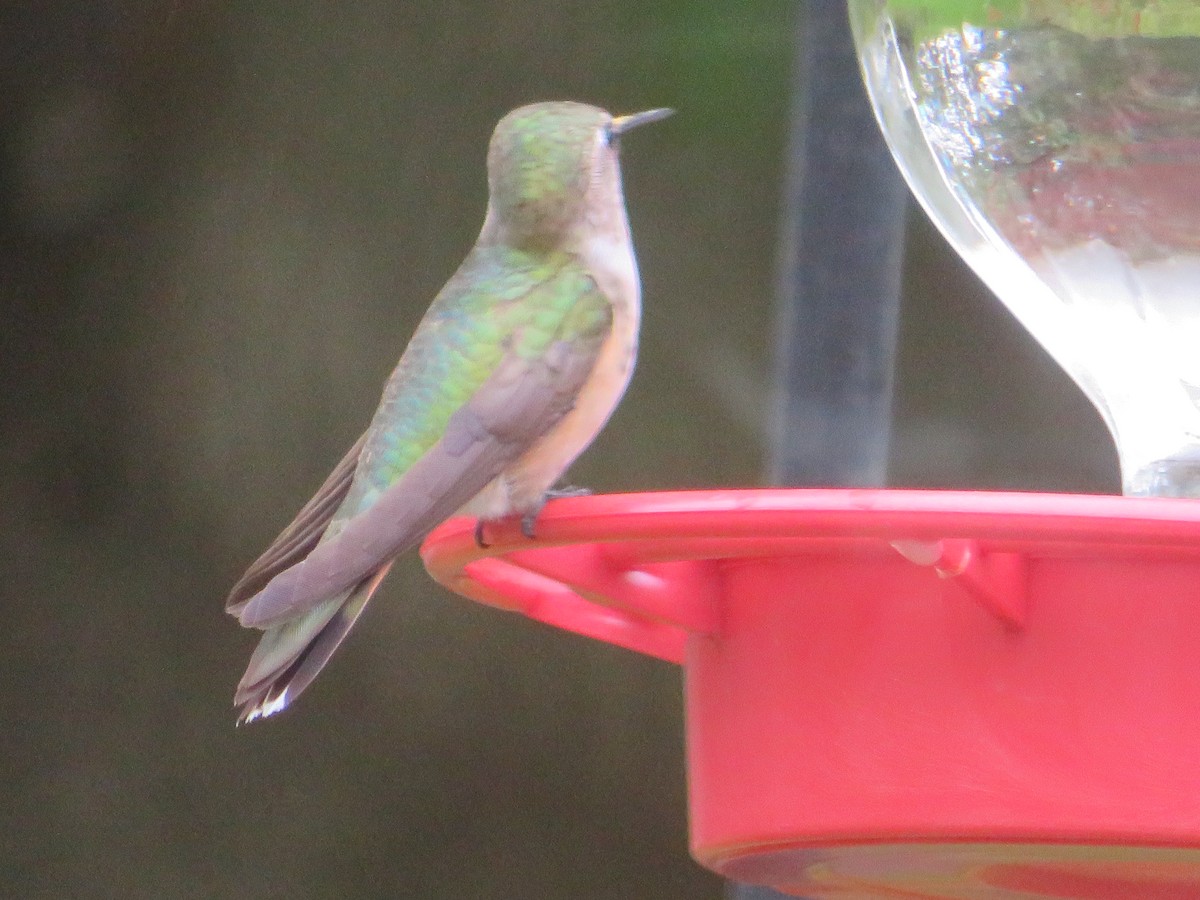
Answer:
(899, 693)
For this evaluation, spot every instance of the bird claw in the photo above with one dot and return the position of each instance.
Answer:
(529, 520)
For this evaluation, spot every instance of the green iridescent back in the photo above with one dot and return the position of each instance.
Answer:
(500, 301)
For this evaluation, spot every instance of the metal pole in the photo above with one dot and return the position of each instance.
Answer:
(839, 286)
(840, 276)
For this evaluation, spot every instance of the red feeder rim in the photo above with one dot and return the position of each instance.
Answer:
(629, 569)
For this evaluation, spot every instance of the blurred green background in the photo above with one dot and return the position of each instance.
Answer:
(219, 224)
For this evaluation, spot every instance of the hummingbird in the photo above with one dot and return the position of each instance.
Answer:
(512, 372)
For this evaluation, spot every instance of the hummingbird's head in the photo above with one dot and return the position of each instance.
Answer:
(550, 165)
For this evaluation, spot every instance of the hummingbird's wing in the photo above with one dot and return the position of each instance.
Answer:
(437, 440)
(521, 400)
(297, 540)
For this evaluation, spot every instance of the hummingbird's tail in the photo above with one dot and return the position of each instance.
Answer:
(290, 655)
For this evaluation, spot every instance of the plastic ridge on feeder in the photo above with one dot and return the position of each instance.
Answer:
(997, 580)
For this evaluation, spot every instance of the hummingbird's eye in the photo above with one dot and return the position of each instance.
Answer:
(609, 136)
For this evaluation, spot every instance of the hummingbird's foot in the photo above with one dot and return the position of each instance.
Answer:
(529, 520)
(479, 541)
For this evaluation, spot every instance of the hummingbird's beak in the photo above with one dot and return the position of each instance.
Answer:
(622, 124)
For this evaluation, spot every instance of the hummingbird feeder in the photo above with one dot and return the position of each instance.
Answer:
(898, 693)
